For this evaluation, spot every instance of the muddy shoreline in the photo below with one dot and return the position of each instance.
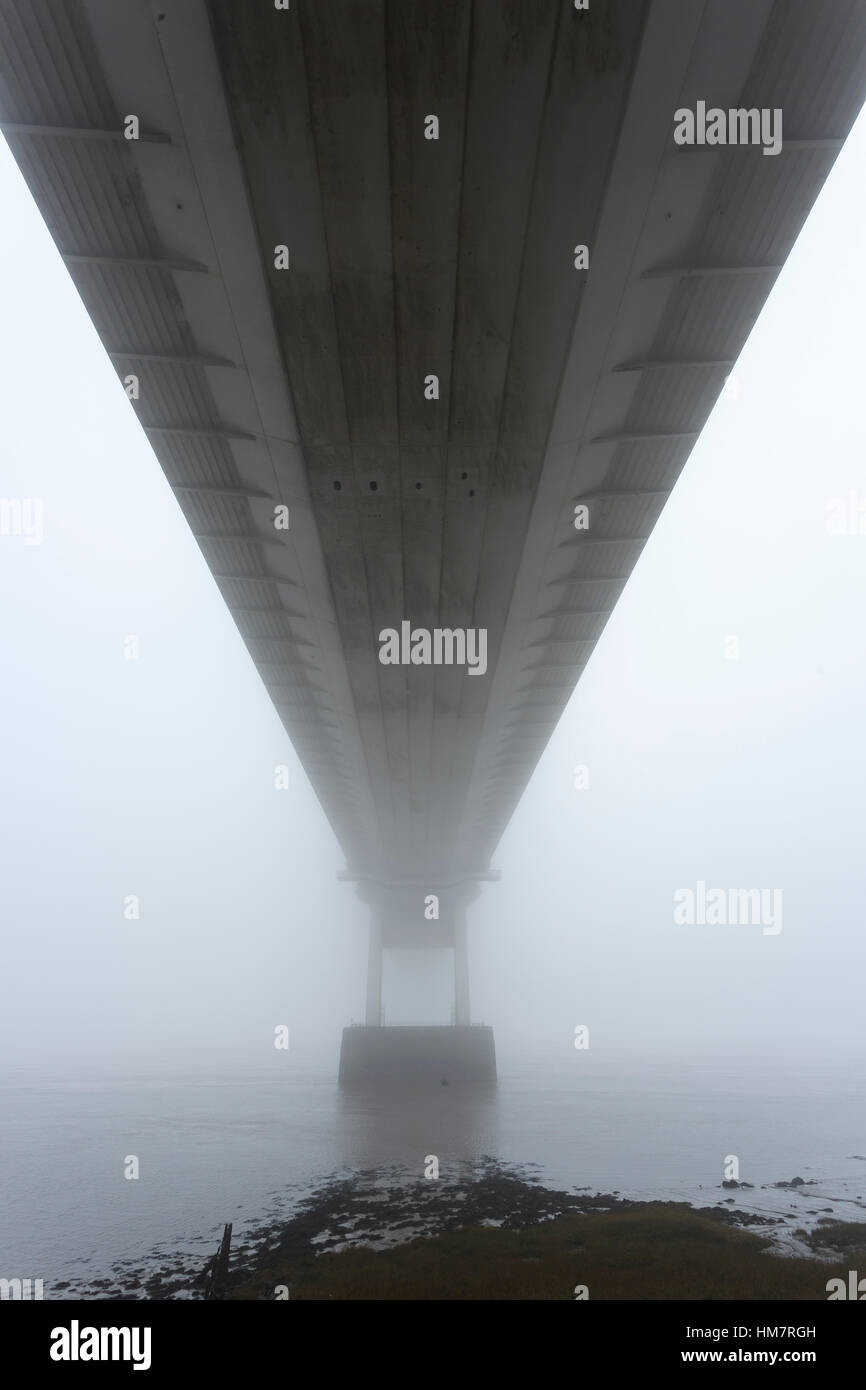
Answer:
(380, 1209)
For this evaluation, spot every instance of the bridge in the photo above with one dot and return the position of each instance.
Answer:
(422, 305)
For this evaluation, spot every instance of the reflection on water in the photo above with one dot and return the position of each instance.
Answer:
(401, 1127)
(244, 1150)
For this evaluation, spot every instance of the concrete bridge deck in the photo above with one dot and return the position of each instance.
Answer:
(429, 274)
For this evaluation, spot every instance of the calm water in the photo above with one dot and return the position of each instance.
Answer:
(216, 1150)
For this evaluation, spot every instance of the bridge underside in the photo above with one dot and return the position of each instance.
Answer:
(342, 262)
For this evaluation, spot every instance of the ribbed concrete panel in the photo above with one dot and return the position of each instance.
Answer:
(410, 258)
(51, 75)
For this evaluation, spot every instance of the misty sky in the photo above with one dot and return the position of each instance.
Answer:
(155, 776)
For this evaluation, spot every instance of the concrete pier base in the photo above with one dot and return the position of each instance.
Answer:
(454, 1056)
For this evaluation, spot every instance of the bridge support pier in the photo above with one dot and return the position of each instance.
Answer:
(461, 968)
(373, 1013)
(406, 915)
(413, 1058)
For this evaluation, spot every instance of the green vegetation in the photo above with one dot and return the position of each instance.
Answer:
(848, 1238)
(660, 1250)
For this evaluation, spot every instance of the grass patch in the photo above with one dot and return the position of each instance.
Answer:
(848, 1237)
(659, 1250)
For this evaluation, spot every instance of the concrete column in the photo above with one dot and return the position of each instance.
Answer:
(397, 920)
(374, 971)
(461, 968)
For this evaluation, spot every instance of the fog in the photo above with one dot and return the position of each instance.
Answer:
(155, 777)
